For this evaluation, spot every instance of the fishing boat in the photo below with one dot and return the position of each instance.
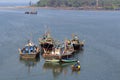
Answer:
(30, 51)
(46, 42)
(77, 44)
(57, 53)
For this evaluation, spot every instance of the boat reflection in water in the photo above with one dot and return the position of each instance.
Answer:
(30, 62)
(57, 68)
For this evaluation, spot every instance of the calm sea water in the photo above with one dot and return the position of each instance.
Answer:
(100, 59)
(5, 4)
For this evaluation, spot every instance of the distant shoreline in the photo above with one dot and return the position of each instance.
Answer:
(56, 8)
(13, 7)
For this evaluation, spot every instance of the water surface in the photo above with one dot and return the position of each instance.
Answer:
(100, 59)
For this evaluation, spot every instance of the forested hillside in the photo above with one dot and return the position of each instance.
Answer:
(108, 4)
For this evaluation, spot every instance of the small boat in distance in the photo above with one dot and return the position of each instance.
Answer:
(30, 51)
(31, 12)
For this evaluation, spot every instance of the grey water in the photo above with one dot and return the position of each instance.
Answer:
(5, 4)
(100, 59)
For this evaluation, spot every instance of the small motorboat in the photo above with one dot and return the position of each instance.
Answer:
(31, 12)
(76, 67)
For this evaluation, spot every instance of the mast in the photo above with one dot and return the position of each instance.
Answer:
(30, 3)
(97, 3)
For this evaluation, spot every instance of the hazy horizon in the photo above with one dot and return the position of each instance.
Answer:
(16, 3)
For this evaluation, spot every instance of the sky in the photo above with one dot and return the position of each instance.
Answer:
(16, 2)
(12, 1)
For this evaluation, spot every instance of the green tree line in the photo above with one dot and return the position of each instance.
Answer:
(64, 3)
(79, 3)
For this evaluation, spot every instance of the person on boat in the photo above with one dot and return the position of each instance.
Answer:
(26, 49)
(30, 43)
(31, 48)
(23, 51)
(34, 48)
(44, 37)
(76, 37)
(77, 64)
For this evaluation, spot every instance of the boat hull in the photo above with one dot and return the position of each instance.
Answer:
(78, 46)
(53, 60)
(50, 56)
(68, 60)
(29, 56)
(47, 46)
(75, 69)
